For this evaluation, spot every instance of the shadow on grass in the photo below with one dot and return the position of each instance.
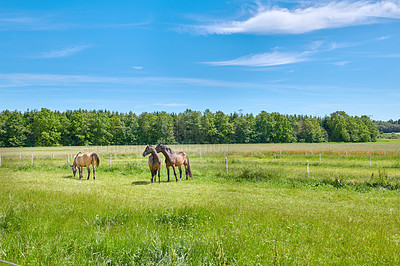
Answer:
(143, 183)
(140, 183)
(75, 178)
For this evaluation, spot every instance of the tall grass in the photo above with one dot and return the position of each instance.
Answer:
(263, 210)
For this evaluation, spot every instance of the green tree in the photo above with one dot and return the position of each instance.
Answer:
(131, 129)
(273, 127)
(337, 125)
(99, 124)
(223, 128)
(162, 128)
(244, 128)
(373, 132)
(46, 128)
(310, 130)
(209, 131)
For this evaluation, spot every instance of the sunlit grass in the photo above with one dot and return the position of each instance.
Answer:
(263, 210)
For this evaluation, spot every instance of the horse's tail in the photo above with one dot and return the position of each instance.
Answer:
(188, 166)
(95, 159)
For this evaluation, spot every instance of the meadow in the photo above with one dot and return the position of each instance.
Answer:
(246, 204)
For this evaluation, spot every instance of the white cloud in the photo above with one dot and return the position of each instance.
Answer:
(15, 80)
(263, 60)
(341, 63)
(381, 38)
(63, 52)
(276, 20)
(137, 67)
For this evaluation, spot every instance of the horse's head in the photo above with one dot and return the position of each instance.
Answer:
(147, 150)
(73, 169)
(160, 147)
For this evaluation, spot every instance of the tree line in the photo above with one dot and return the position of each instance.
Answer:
(101, 127)
(388, 126)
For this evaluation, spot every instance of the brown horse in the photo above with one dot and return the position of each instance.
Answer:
(85, 160)
(175, 159)
(154, 162)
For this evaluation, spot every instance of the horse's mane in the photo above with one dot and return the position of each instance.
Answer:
(169, 149)
(77, 154)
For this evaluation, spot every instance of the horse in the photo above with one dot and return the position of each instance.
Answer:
(173, 159)
(85, 159)
(154, 162)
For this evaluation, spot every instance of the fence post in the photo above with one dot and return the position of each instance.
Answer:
(235, 157)
(200, 156)
(0, 160)
(320, 158)
(308, 168)
(110, 160)
(32, 160)
(370, 160)
(275, 156)
(226, 162)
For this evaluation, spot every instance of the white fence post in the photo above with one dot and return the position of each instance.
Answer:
(110, 160)
(200, 156)
(0, 160)
(32, 160)
(226, 162)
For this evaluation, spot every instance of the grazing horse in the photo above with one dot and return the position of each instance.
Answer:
(175, 159)
(85, 159)
(154, 162)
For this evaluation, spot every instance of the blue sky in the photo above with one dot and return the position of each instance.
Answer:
(292, 57)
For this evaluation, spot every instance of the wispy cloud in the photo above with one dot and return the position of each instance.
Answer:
(335, 14)
(341, 63)
(14, 80)
(137, 67)
(278, 58)
(69, 51)
(381, 38)
(263, 60)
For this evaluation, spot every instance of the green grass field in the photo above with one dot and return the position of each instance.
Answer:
(265, 209)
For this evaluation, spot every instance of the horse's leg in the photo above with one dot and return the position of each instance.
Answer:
(152, 174)
(168, 172)
(186, 171)
(94, 172)
(176, 178)
(180, 172)
(88, 172)
(80, 172)
(159, 170)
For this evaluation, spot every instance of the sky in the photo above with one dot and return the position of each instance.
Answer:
(292, 57)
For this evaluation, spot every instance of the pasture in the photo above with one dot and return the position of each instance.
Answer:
(245, 205)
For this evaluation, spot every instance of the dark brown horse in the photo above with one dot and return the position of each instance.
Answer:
(154, 162)
(85, 160)
(175, 159)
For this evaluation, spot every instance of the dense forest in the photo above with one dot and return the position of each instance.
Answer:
(388, 126)
(83, 127)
